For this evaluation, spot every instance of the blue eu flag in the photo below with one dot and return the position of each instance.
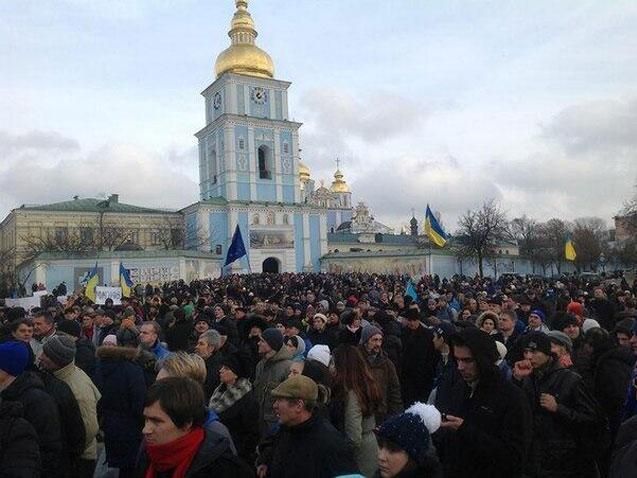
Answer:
(237, 249)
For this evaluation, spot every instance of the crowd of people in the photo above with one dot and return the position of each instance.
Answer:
(325, 375)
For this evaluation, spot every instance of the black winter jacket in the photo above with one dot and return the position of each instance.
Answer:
(313, 449)
(612, 371)
(558, 449)
(41, 411)
(240, 419)
(73, 432)
(494, 438)
(418, 365)
(120, 380)
(213, 459)
(19, 451)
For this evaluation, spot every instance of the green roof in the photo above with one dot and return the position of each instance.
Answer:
(94, 205)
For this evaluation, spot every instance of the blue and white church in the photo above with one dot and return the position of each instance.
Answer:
(250, 171)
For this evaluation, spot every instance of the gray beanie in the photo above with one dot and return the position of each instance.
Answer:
(273, 337)
(60, 349)
(368, 332)
(561, 338)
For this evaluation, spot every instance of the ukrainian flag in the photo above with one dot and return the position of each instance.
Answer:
(433, 230)
(125, 281)
(569, 250)
(91, 282)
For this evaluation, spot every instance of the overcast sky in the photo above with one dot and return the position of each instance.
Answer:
(447, 102)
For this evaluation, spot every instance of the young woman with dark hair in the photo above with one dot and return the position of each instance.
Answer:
(355, 395)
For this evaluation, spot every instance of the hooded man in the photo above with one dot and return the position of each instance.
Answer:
(486, 428)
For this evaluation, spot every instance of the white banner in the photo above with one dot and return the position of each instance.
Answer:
(40, 293)
(27, 303)
(103, 293)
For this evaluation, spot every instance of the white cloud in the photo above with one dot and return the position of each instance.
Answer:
(51, 168)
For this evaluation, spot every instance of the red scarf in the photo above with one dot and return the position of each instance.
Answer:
(176, 455)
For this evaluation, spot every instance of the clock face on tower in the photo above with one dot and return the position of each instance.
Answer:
(216, 102)
(259, 95)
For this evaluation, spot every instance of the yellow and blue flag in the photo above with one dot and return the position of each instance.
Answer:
(569, 250)
(433, 230)
(125, 281)
(91, 282)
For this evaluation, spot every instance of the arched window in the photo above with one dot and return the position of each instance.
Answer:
(212, 166)
(255, 220)
(265, 162)
(286, 219)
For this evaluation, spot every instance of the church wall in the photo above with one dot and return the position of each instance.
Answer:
(219, 231)
(331, 220)
(298, 242)
(278, 98)
(288, 194)
(266, 192)
(315, 242)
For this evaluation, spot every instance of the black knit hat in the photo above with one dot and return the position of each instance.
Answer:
(273, 337)
(537, 341)
(70, 327)
(233, 363)
(562, 320)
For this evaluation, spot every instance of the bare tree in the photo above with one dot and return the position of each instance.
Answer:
(527, 233)
(480, 231)
(554, 233)
(588, 235)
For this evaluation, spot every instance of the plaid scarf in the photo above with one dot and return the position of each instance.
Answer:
(225, 396)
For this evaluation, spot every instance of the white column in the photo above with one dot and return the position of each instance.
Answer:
(306, 240)
(114, 279)
(230, 160)
(272, 103)
(323, 233)
(253, 164)
(284, 99)
(231, 102)
(295, 166)
(277, 166)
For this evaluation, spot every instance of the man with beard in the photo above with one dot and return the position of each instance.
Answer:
(384, 372)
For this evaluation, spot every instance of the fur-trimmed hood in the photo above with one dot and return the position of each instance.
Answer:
(116, 354)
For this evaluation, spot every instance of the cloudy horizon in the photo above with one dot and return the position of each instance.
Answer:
(448, 103)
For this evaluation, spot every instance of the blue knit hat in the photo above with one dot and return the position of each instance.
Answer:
(539, 313)
(273, 337)
(411, 430)
(14, 357)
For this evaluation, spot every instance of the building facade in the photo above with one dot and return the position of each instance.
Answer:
(249, 164)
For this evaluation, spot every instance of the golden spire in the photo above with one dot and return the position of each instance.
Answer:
(243, 56)
(339, 185)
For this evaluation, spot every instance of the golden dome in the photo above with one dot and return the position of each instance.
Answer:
(304, 172)
(339, 185)
(243, 56)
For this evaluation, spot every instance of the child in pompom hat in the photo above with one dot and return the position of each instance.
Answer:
(404, 443)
